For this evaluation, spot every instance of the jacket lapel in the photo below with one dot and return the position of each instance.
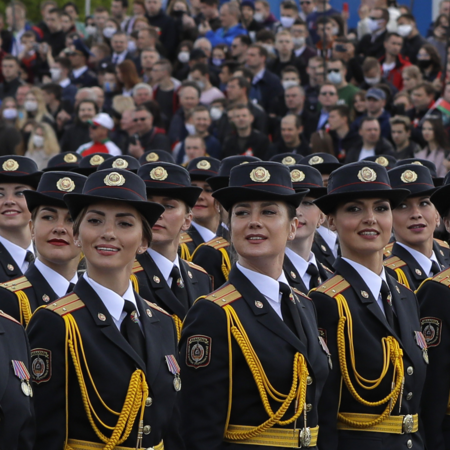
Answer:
(189, 281)
(292, 275)
(40, 286)
(440, 255)
(414, 267)
(9, 265)
(4, 366)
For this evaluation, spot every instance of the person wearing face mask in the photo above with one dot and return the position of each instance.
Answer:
(35, 108)
(9, 135)
(110, 86)
(373, 44)
(60, 71)
(412, 42)
(248, 20)
(429, 63)
(110, 29)
(288, 15)
(284, 45)
(322, 8)
(200, 75)
(336, 73)
(372, 72)
(302, 41)
(42, 145)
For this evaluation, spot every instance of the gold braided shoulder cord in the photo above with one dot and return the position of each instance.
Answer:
(297, 391)
(226, 263)
(401, 278)
(24, 308)
(134, 401)
(135, 282)
(184, 252)
(178, 325)
(391, 352)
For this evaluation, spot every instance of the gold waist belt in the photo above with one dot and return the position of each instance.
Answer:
(85, 445)
(393, 424)
(279, 437)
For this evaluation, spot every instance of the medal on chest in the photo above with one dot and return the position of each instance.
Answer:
(21, 372)
(174, 369)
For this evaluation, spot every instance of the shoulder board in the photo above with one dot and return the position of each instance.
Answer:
(301, 293)
(196, 267)
(334, 286)
(66, 305)
(158, 308)
(18, 284)
(442, 243)
(387, 251)
(326, 268)
(443, 277)
(7, 316)
(185, 238)
(224, 296)
(394, 262)
(218, 243)
(137, 267)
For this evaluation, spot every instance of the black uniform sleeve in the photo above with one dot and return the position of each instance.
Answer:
(211, 260)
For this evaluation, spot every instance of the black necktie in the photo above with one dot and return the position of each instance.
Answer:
(386, 298)
(289, 312)
(70, 288)
(131, 331)
(115, 59)
(29, 258)
(435, 269)
(314, 273)
(178, 287)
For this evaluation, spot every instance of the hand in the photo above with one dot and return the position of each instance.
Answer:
(437, 84)
(136, 150)
(345, 15)
(204, 27)
(62, 118)
(188, 22)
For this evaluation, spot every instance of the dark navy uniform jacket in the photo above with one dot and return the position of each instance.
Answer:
(323, 252)
(17, 419)
(206, 385)
(192, 238)
(369, 327)
(111, 361)
(8, 266)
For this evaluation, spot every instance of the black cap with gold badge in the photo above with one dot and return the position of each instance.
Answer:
(63, 161)
(287, 159)
(19, 169)
(323, 162)
(306, 177)
(89, 164)
(155, 156)
(125, 162)
(417, 179)
(387, 161)
(203, 167)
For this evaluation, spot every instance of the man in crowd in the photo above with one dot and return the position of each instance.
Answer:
(393, 62)
(291, 141)
(239, 47)
(10, 70)
(401, 137)
(336, 74)
(373, 44)
(343, 137)
(407, 28)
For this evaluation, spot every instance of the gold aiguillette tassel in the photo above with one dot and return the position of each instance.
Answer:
(140, 435)
(401, 395)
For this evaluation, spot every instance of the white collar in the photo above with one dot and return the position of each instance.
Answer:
(78, 72)
(299, 51)
(299, 263)
(330, 237)
(56, 281)
(258, 76)
(164, 264)
(422, 260)
(114, 302)
(205, 233)
(121, 54)
(64, 83)
(17, 253)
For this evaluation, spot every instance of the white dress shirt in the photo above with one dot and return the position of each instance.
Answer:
(258, 76)
(118, 58)
(56, 281)
(164, 265)
(268, 287)
(78, 72)
(64, 83)
(205, 233)
(113, 302)
(18, 253)
(423, 261)
(366, 152)
(330, 237)
(301, 265)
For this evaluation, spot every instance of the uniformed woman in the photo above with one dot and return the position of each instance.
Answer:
(370, 322)
(415, 255)
(172, 283)
(253, 369)
(54, 272)
(301, 267)
(104, 361)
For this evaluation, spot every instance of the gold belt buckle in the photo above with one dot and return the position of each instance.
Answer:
(408, 424)
(305, 438)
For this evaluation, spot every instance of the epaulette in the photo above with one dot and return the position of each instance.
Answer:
(394, 262)
(66, 305)
(158, 308)
(7, 316)
(326, 268)
(18, 284)
(196, 267)
(301, 293)
(218, 243)
(185, 238)
(442, 243)
(387, 251)
(224, 296)
(334, 286)
(137, 267)
(443, 277)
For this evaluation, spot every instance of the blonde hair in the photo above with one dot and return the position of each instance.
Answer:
(121, 103)
(51, 146)
(42, 111)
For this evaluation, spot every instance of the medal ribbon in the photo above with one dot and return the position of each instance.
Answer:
(20, 370)
(172, 365)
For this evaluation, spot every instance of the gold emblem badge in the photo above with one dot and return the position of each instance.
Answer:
(297, 176)
(259, 304)
(315, 160)
(65, 184)
(70, 158)
(120, 163)
(409, 176)
(203, 165)
(288, 161)
(364, 294)
(158, 173)
(114, 179)
(96, 160)
(10, 165)
(367, 174)
(101, 316)
(260, 175)
(152, 157)
(243, 162)
(156, 279)
(382, 161)
(417, 163)
(45, 298)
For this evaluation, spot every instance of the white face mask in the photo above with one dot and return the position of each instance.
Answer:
(287, 22)
(38, 141)
(90, 30)
(259, 17)
(374, 25)
(335, 31)
(372, 81)
(335, 77)
(269, 48)
(404, 30)
(183, 57)
(55, 73)
(215, 113)
(30, 105)
(10, 113)
(131, 46)
(190, 128)
(288, 83)
(299, 41)
(108, 32)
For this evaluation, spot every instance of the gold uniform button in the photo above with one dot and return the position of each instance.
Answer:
(410, 370)
(148, 401)
(308, 407)
(309, 380)
(409, 396)
(147, 429)
(409, 443)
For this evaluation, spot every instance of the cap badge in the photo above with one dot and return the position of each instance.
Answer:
(10, 165)
(297, 176)
(70, 158)
(260, 175)
(152, 157)
(288, 161)
(243, 162)
(203, 165)
(417, 163)
(158, 173)
(409, 176)
(315, 160)
(366, 174)
(96, 160)
(114, 179)
(65, 184)
(382, 161)
(120, 164)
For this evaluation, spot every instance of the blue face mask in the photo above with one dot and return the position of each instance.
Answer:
(109, 86)
(217, 61)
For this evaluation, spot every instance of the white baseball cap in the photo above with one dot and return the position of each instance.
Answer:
(103, 120)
